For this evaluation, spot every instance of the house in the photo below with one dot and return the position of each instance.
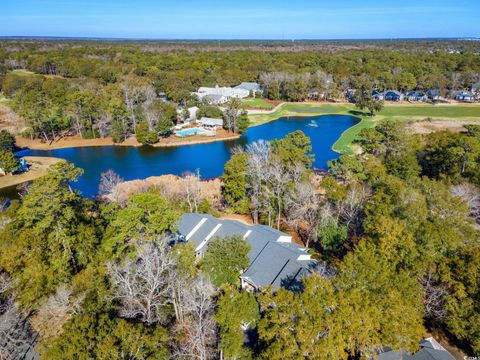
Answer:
(434, 94)
(476, 90)
(274, 259)
(250, 87)
(465, 96)
(430, 350)
(220, 95)
(377, 95)
(417, 96)
(215, 99)
(393, 95)
(210, 123)
(350, 95)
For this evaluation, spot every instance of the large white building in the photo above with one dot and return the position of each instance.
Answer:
(220, 95)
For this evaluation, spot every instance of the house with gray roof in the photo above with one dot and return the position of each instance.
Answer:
(249, 86)
(416, 96)
(210, 123)
(378, 95)
(476, 89)
(434, 94)
(215, 99)
(465, 96)
(430, 350)
(220, 95)
(393, 95)
(274, 259)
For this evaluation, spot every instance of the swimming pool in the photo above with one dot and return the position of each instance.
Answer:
(189, 132)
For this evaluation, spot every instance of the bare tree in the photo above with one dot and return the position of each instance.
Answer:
(104, 122)
(471, 195)
(142, 285)
(434, 298)
(199, 331)
(277, 182)
(351, 208)
(134, 89)
(191, 188)
(56, 311)
(303, 207)
(150, 109)
(231, 114)
(108, 183)
(16, 335)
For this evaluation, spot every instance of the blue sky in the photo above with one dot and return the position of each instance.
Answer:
(241, 19)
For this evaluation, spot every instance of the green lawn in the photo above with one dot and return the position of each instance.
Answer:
(257, 103)
(3, 100)
(391, 112)
(22, 72)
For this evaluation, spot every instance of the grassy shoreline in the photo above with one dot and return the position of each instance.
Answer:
(400, 112)
(38, 168)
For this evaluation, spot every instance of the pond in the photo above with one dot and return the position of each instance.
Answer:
(138, 163)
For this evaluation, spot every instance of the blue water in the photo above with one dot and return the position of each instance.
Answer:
(188, 132)
(138, 163)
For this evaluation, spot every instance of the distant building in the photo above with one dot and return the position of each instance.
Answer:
(393, 95)
(350, 95)
(465, 96)
(476, 89)
(215, 99)
(417, 96)
(274, 259)
(430, 350)
(249, 86)
(220, 95)
(210, 123)
(434, 94)
(377, 95)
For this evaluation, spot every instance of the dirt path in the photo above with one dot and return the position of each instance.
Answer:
(38, 168)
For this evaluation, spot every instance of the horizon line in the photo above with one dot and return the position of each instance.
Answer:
(102, 38)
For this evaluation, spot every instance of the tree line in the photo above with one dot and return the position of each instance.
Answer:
(393, 230)
(113, 89)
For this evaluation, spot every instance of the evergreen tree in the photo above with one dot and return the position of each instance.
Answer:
(225, 258)
(295, 148)
(8, 162)
(7, 140)
(237, 312)
(235, 183)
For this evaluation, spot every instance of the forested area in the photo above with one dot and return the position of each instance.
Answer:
(99, 89)
(395, 231)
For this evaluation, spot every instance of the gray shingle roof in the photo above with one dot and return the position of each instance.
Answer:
(210, 121)
(431, 350)
(250, 86)
(271, 262)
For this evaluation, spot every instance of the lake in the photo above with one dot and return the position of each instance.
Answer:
(138, 163)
